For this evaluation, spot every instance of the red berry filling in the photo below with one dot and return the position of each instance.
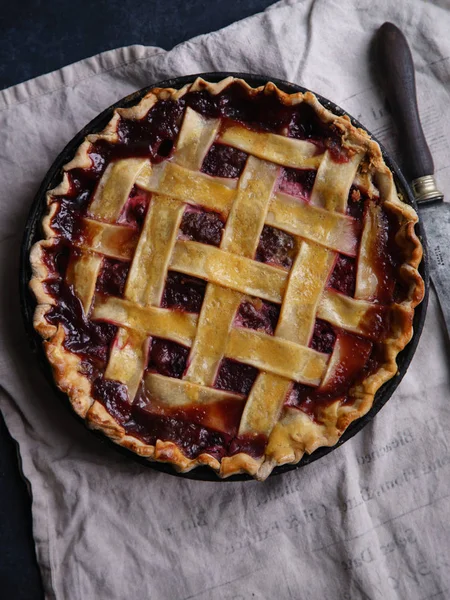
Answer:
(72, 207)
(354, 364)
(135, 209)
(152, 135)
(184, 428)
(67, 221)
(194, 430)
(262, 111)
(387, 259)
(356, 203)
(323, 338)
(202, 226)
(168, 358)
(82, 184)
(193, 439)
(57, 258)
(224, 161)
(343, 276)
(305, 124)
(183, 292)
(275, 247)
(310, 400)
(258, 314)
(297, 182)
(112, 278)
(114, 397)
(85, 337)
(235, 376)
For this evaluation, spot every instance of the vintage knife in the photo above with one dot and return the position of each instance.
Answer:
(396, 72)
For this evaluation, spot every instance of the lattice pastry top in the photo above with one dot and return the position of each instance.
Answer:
(226, 277)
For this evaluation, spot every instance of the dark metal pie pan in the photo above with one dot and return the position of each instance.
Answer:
(33, 233)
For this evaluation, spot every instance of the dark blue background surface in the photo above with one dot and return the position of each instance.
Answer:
(37, 37)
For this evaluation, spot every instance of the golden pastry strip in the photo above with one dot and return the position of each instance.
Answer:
(229, 270)
(345, 312)
(247, 217)
(148, 272)
(114, 188)
(82, 273)
(307, 280)
(195, 138)
(189, 186)
(330, 229)
(285, 151)
(128, 359)
(160, 322)
(367, 281)
(276, 355)
(333, 182)
(211, 338)
(264, 404)
(175, 393)
(115, 241)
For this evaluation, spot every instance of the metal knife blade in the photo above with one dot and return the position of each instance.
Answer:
(396, 73)
(436, 221)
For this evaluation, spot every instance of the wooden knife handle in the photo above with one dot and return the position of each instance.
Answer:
(396, 71)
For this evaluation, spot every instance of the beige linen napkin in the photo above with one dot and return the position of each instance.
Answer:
(370, 520)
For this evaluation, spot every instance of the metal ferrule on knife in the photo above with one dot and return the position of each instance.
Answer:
(425, 189)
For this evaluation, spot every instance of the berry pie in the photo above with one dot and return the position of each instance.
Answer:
(226, 277)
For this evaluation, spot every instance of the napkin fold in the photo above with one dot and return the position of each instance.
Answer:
(371, 519)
